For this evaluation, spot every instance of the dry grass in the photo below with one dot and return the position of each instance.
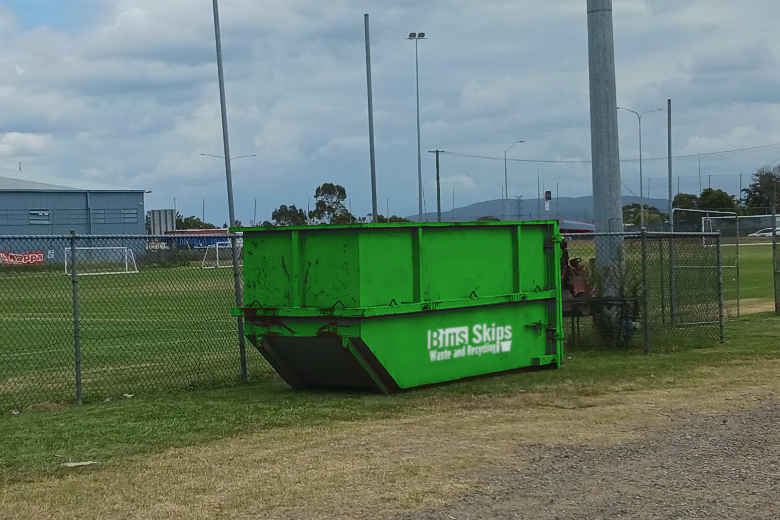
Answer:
(378, 467)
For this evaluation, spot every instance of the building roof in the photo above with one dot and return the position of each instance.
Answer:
(9, 183)
(15, 184)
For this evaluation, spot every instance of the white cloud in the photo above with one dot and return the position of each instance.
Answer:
(13, 144)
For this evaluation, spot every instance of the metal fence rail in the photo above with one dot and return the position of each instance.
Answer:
(645, 288)
(94, 317)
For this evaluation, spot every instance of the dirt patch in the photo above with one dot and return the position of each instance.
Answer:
(456, 451)
(751, 306)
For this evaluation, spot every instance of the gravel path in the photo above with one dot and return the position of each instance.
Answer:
(717, 466)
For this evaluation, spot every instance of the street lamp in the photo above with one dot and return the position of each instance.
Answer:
(417, 36)
(641, 182)
(506, 177)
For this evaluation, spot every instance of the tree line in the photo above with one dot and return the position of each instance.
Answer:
(329, 208)
(756, 198)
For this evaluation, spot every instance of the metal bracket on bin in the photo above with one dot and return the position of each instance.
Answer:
(537, 327)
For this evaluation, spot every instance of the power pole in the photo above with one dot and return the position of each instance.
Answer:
(438, 185)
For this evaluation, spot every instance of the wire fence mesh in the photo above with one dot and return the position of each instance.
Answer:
(153, 314)
(643, 288)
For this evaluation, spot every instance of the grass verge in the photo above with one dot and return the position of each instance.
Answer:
(34, 444)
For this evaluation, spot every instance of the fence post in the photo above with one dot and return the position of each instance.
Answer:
(672, 291)
(645, 306)
(720, 289)
(239, 303)
(74, 277)
(662, 280)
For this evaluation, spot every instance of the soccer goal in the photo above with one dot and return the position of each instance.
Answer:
(220, 255)
(101, 260)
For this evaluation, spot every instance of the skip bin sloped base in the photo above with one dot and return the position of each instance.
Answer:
(322, 362)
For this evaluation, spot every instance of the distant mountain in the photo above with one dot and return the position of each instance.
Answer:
(570, 208)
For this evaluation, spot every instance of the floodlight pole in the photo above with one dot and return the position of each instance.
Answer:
(417, 37)
(371, 120)
(229, 181)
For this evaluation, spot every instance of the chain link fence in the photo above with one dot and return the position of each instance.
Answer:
(643, 288)
(95, 317)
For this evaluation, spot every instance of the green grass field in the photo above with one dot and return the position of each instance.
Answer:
(161, 328)
(35, 443)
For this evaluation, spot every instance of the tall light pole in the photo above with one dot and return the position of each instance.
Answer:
(641, 180)
(417, 37)
(506, 176)
(229, 180)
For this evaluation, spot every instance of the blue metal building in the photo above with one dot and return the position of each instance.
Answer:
(33, 208)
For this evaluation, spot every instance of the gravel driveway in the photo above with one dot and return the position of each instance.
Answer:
(710, 466)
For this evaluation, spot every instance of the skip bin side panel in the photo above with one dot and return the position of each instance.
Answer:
(267, 269)
(435, 347)
(533, 272)
(329, 268)
(467, 262)
(386, 267)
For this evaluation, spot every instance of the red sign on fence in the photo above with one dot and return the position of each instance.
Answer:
(28, 258)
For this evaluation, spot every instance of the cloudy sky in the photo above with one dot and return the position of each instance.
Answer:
(123, 93)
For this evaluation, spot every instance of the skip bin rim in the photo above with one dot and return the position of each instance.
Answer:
(394, 225)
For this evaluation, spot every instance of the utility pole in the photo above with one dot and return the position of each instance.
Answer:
(229, 182)
(506, 170)
(607, 210)
(254, 217)
(203, 210)
(370, 120)
(740, 188)
(699, 161)
(438, 185)
(538, 194)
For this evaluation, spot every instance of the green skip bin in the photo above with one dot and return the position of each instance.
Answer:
(395, 306)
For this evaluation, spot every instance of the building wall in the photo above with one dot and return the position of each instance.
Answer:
(43, 212)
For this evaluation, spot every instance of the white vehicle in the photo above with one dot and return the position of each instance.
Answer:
(766, 232)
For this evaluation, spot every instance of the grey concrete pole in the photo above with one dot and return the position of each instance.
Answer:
(229, 180)
(370, 120)
(607, 211)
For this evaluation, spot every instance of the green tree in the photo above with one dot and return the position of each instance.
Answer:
(686, 201)
(759, 193)
(713, 199)
(192, 222)
(653, 217)
(329, 205)
(381, 219)
(288, 216)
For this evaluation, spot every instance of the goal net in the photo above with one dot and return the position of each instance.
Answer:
(101, 260)
(220, 255)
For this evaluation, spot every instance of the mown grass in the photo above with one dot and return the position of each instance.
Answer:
(161, 328)
(37, 442)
